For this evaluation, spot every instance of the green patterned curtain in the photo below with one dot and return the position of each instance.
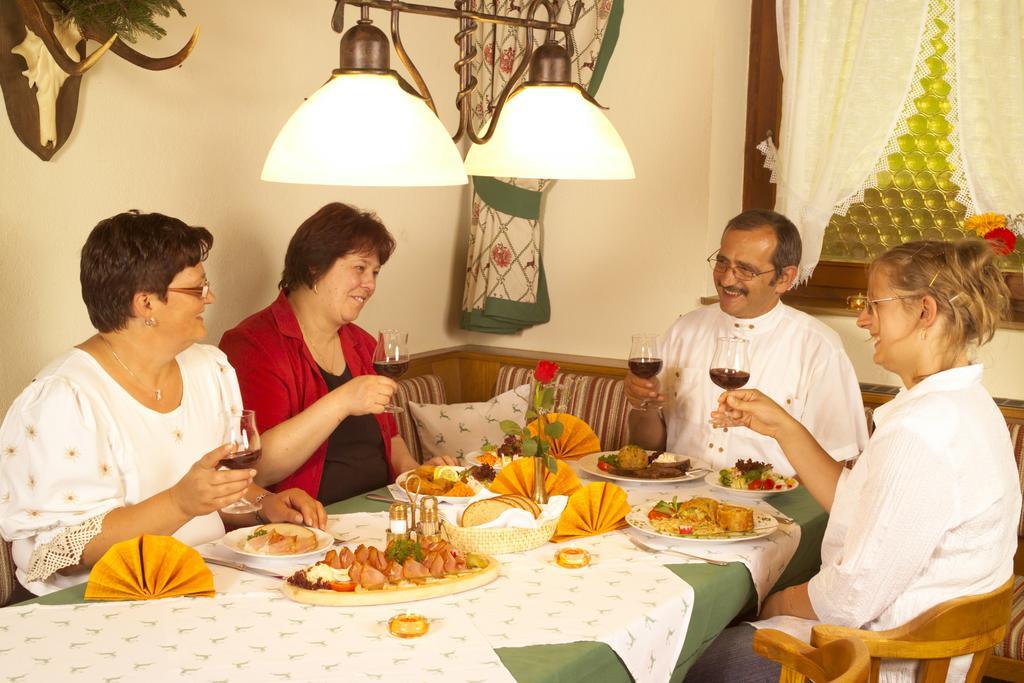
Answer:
(506, 290)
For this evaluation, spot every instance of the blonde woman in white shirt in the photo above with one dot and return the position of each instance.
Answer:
(930, 510)
(108, 441)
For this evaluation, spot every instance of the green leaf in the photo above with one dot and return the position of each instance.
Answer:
(551, 463)
(531, 415)
(548, 400)
(510, 427)
(529, 447)
(554, 429)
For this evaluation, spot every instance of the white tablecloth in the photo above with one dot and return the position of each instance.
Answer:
(626, 598)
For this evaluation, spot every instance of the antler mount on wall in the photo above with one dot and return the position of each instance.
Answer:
(42, 59)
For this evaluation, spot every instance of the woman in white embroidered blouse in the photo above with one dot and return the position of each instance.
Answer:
(930, 510)
(103, 445)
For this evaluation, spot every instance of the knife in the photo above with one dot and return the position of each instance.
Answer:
(383, 499)
(242, 567)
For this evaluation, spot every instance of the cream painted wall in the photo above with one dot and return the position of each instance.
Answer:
(622, 257)
(190, 142)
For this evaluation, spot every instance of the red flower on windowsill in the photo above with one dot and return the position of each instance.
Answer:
(1002, 240)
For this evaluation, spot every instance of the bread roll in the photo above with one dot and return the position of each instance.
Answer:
(484, 511)
(523, 503)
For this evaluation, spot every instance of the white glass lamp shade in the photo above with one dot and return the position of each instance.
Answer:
(363, 129)
(551, 131)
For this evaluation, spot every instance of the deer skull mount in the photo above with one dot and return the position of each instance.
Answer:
(42, 59)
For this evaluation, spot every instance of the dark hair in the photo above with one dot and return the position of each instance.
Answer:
(332, 232)
(135, 252)
(962, 277)
(788, 247)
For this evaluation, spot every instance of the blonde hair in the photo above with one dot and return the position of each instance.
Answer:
(969, 291)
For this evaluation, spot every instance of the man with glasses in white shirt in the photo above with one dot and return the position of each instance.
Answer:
(795, 359)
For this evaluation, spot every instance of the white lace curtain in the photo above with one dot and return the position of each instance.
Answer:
(846, 65)
(990, 58)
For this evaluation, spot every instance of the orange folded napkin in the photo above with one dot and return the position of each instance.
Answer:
(595, 509)
(149, 567)
(517, 479)
(577, 438)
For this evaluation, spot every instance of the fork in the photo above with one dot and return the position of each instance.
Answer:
(648, 549)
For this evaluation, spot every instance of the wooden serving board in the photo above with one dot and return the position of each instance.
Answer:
(433, 588)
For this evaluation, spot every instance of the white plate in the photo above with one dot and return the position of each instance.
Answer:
(472, 458)
(764, 525)
(235, 542)
(399, 492)
(588, 463)
(712, 480)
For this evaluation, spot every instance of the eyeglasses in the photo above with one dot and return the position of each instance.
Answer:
(743, 273)
(198, 292)
(861, 303)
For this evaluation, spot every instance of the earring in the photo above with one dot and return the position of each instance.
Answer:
(315, 290)
(924, 335)
(151, 322)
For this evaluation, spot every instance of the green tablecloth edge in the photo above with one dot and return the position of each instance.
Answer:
(716, 604)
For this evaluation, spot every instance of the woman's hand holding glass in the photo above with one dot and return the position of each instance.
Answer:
(752, 409)
(366, 394)
(205, 488)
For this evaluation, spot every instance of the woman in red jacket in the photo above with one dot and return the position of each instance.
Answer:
(306, 368)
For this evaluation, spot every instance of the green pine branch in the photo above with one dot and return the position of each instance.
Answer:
(127, 18)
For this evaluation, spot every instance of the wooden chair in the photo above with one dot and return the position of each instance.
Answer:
(963, 626)
(7, 580)
(841, 661)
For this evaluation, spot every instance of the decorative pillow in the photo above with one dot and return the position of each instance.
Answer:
(461, 428)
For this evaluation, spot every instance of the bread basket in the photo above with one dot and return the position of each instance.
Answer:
(471, 539)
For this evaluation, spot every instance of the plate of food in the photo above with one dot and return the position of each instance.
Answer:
(277, 540)
(405, 571)
(633, 463)
(497, 456)
(450, 484)
(752, 479)
(701, 519)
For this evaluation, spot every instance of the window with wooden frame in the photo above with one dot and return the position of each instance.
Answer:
(914, 193)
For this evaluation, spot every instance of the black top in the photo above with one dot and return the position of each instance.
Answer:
(355, 460)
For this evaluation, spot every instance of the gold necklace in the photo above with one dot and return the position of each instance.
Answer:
(156, 391)
(316, 352)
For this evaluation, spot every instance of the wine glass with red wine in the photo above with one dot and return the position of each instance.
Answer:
(730, 366)
(241, 431)
(391, 359)
(644, 358)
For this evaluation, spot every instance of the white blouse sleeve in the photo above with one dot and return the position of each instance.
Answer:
(58, 468)
(901, 520)
(833, 408)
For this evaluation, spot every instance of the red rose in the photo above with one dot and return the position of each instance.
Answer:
(545, 371)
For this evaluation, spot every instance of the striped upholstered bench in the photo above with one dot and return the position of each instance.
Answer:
(598, 401)
(422, 389)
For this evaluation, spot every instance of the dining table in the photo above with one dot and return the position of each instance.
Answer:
(720, 595)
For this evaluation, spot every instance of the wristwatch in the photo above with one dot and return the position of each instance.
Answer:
(259, 512)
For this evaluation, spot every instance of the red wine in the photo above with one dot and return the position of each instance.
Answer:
(645, 368)
(241, 460)
(729, 379)
(392, 369)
